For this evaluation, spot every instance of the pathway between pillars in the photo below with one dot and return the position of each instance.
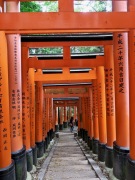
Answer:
(68, 161)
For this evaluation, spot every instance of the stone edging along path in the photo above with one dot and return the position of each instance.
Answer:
(94, 165)
(44, 166)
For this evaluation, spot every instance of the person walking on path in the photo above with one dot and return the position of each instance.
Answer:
(71, 124)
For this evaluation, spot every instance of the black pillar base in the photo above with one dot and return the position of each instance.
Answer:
(79, 133)
(109, 157)
(119, 161)
(61, 127)
(20, 162)
(46, 142)
(51, 134)
(83, 134)
(90, 142)
(34, 151)
(86, 136)
(40, 149)
(48, 137)
(29, 157)
(130, 168)
(56, 128)
(65, 124)
(101, 152)
(44, 146)
(8, 172)
(95, 146)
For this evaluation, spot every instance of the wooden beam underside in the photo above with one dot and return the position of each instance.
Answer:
(70, 43)
(66, 77)
(71, 63)
(65, 95)
(66, 22)
(67, 87)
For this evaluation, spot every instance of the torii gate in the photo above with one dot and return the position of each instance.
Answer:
(66, 22)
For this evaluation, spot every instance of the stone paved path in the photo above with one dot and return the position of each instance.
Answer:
(68, 161)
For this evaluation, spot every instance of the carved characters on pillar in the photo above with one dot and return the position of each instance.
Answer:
(100, 100)
(4, 129)
(120, 63)
(15, 60)
(26, 109)
(109, 81)
(15, 101)
(1, 98)
(5, 140)
(95, 100)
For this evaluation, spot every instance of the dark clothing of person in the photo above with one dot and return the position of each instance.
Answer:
(71, 124)
(76, 122)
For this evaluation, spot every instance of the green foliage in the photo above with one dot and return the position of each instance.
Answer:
(50, 6)
(30, 7)
(86, 49)
(92, 6)
(57, 50)
(47, 6)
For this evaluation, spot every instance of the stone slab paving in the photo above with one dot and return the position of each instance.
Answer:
(68, 161)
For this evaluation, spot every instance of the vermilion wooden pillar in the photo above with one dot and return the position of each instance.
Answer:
(56, 120)
(83, 118)
(32, 107)
(131, 156)
(131, 5)
(53, 117)
(26, 109)
(66, 5)
(44, 124)
(79, 118)
(70, 112)
(75, 112)
(32, 114)
(15, 98)
(7, 168)
(121, 145)
(47, 139)
(65, 117)
(95, 117)
(51, 130)
(61, 118)
(86, 118)
(90, 119)
(39, 118)
(110, 104)
(101, 113)
(78, 113)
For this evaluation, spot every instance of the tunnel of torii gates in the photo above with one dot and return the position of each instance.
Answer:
(105, 93)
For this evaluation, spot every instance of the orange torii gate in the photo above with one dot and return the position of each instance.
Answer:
(66, 22)
(64, 104)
